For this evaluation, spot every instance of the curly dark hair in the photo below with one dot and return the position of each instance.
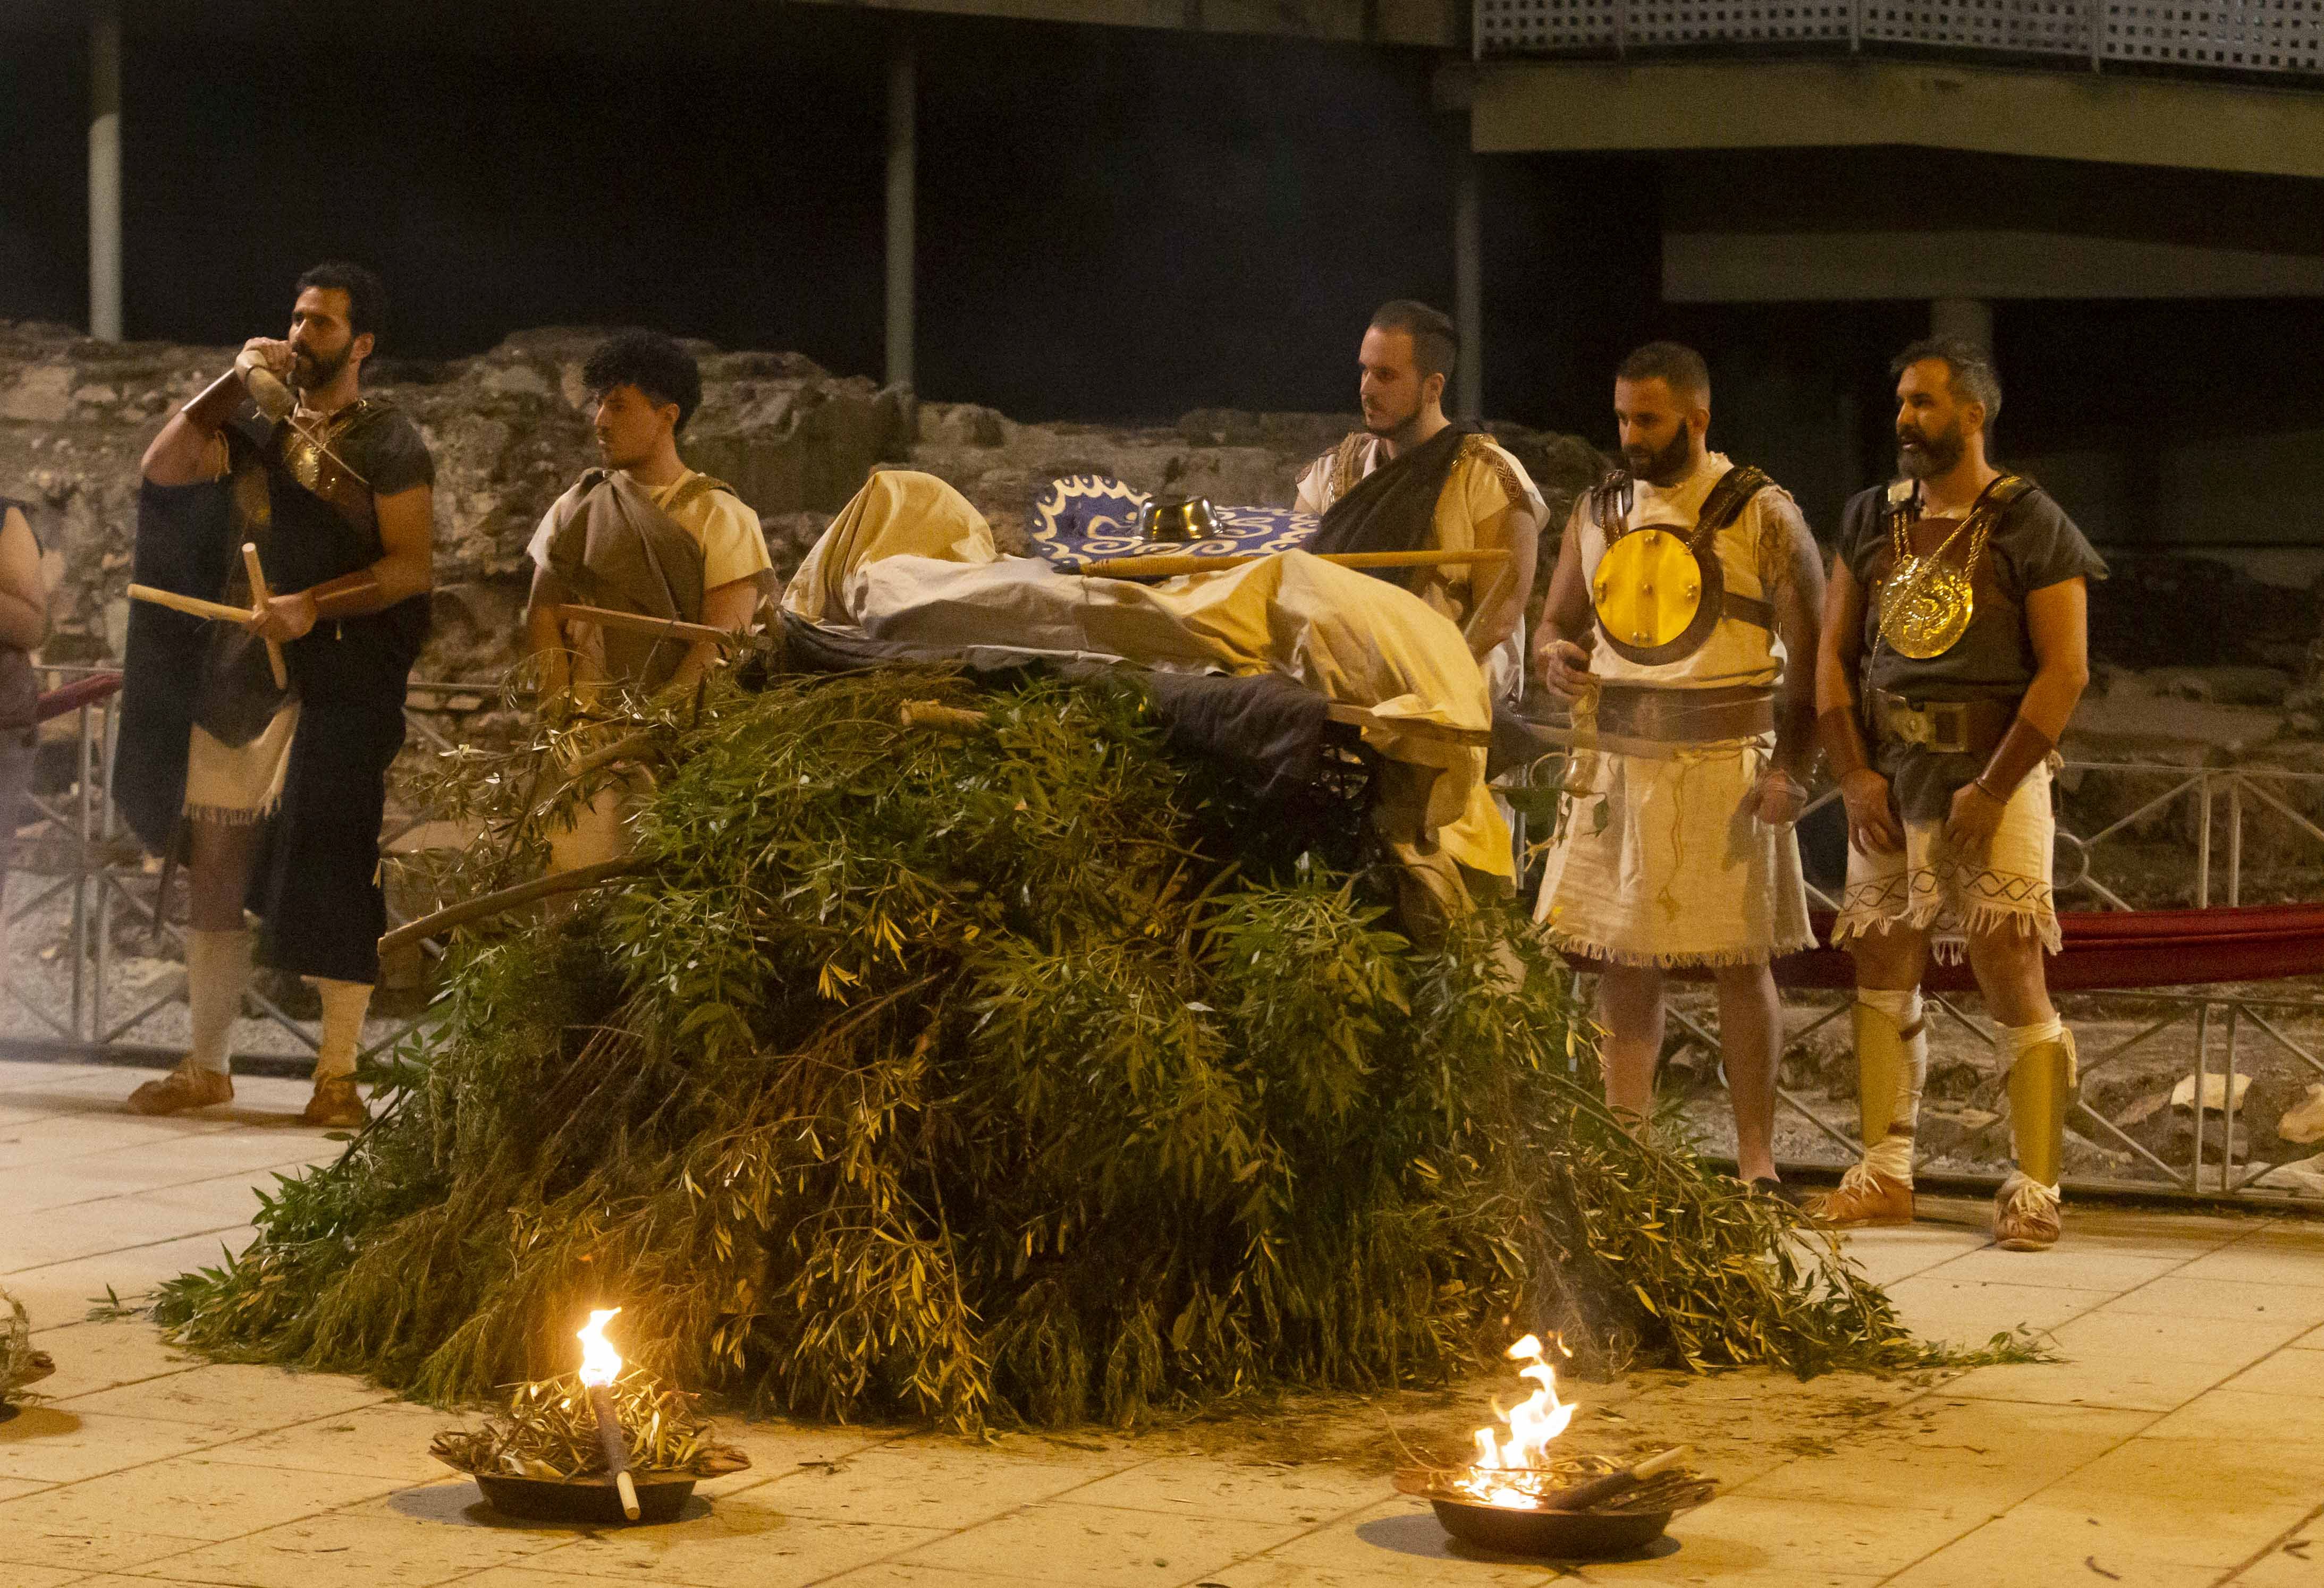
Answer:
(366, 296)
(658, 365)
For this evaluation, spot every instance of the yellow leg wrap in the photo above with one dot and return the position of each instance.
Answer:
(1887, 1072)
(2040, 1089)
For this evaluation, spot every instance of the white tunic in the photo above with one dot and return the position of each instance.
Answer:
(1657, 861)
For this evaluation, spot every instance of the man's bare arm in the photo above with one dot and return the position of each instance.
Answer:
(727, 606)
(1791, 570)
(2058, 618)
(544, 635)
(1873, 826)
(407, 530)
(190, 449)
(1836, 643)
(1559, 652)
(1500, 608)
(2057, 621)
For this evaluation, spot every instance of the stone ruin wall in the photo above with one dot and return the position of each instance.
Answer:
(509, 430)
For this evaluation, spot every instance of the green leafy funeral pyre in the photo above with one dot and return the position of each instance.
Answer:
(990, 1065)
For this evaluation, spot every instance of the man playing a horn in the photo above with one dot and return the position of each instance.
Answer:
(643, 534)
(1955, 648)
(1412, 480)
(273, 788)
(1679, 624)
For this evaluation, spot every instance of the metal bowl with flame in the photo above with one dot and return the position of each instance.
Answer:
(1517, 1498)
(1511, 1512)
(661, 1496)
(1174, 519)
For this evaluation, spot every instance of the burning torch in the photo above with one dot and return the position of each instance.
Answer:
(601, 1364)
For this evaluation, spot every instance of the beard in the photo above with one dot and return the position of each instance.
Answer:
(1667, 467)
(1924, 456)
(311, 371)
(1389, 424)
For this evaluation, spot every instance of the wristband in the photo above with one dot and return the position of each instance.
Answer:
(2023, 747)
(351, 595)
(215, 404)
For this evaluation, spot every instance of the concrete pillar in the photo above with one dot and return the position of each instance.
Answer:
(105, 169)
(903, 159)
(1469, 292)
(1970, 319)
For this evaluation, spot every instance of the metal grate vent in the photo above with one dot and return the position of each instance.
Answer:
(1520, 27)
(2260, 35)
(2044, 27)
(2271, 36)
(1664, 23)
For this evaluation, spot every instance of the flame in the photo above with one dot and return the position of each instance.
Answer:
(600, 1362)
(1533, 1423)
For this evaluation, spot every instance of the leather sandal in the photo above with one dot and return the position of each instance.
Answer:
(190, 1086)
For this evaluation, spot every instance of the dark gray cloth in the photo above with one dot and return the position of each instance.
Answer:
(1266, 729)
(2034, 546)
(385, 447)
(316, 884)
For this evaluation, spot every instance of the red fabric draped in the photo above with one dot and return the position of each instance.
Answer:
(73, 696)
(2109, 948)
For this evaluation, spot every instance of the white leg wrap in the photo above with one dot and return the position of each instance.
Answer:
(218, 971)
(344, 1003)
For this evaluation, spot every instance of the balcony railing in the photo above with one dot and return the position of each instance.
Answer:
(2278, 38)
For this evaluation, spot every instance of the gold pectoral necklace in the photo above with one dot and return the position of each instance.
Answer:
(1927, 602)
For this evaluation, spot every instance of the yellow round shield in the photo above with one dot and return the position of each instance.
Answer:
(1648, 591)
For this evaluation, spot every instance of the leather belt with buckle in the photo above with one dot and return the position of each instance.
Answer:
(1946, 728)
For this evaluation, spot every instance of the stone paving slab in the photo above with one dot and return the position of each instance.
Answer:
(2179, 1441)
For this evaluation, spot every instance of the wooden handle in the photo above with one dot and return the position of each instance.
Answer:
(669, 627)
(1583, 1496)
(259, 597)
(192, 606)
(1170, 565)
(1654, 1464)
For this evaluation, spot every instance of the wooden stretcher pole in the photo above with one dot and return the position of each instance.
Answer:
(259, 596)
(667, 627)
(191, 605)
(1170, 565)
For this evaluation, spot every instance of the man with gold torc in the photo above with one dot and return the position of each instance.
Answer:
(644, 534)
(272, 782)
(1680, 627)
(1955, 648)
(1412, 480)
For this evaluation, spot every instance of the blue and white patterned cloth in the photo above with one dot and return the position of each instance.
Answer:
(1084, 517)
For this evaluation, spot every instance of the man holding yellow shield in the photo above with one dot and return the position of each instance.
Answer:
(1681, 627)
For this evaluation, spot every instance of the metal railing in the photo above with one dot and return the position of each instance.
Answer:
(2270, 38)
(75, 852)
(2205, 813)
(2201, 818)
